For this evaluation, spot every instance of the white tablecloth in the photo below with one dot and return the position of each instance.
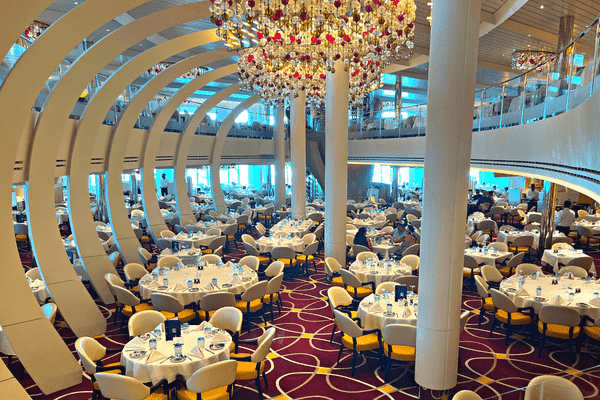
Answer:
(511, 236)
(563, 257)
(203, 227)
(367, 223)
(593, 226)
(363, 271)
(386, 248)
(5, 347)
(196, 240)
(187, 256)
(477, 221)
(377, 320)
(158, 370)
(491, 258)
(39, 290)
(295, 228)
(509, 287)
(224, 277)
(267, 244)
(62, 217)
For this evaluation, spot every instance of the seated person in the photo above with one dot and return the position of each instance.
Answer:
(361, 238)
(397, 235)
(477, 195)
(486, 198)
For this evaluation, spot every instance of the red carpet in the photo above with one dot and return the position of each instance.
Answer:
(303, 364)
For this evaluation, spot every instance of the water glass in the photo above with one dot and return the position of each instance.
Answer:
(152, 344)
(155, 276)
(534, 275)
(178, 349)
(190, 283)
(416, 307)
(185, 327)
(201, 342)
(538, 291)
(388, 308)
(571, 296)
(176, 267)
(157, 332)
(207, 331)
(214, 282)
(521, 284)
(596, 295)
(165, 281)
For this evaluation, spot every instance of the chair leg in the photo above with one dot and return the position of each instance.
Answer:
(388, 366)
(259, 388)
(354, 354)
(542, 343)
(508, 333)
(279, 303)
(340, 353)
(481, 314)
(332, 332)
(493, 327)
(271, 306)
(265, 379)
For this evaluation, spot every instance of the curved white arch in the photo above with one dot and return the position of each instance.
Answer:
(95, 112)
(154, 218)
(215, 159)
(183, 147)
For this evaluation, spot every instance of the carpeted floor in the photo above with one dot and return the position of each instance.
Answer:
(303, 364)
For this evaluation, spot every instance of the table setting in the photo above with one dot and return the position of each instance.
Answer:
(377, 311)
(379, 271)
(367, 223)
(192, 239)
(191, 283)
(508, 236)
(537, 290)
(202, 226)
(561, 257)
(384, 246)
(293, 227)
(187, 256)
(267, 244)
(62, 216)
(150, 357)
(39, 290)
(487, 256)
(593, 226)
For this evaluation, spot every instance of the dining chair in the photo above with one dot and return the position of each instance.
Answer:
(248, 239)
(354, 286)
(144, 322)
(251, 302)
(168, 262)
(131, 303)
(499, 246)
(103, 235)
(308, 255)
(212, 259)
(211, 302)
(171, 307)
(466, 395)
(91, 354)
(309, 238)
(386, 287)
(260, 228)
(272, 295)
(487, 303)
(146, 258)
(339, 299)
(492, 276)
(287, 255)
(531, 227)
(582, 262)
(559, 322)
(214, 381)
(115, 258)
(521, 244)
(179, 229)
(113, 386)
(251, 262)
(133, 273)
(356, 338)
(586, 236)
(253, 366)
(552, 387)
(509, 314)
(561, 245)
(230, 233)
(332, 271)
(217, 242)
(50, 310)
(230, 319)
(577, 272)
(509, 268)
(399, 344)
(365, 255)
(243, 222)
(184, 221)
(213, 231)
(411, 260)
(251, 250)
(409, 281)
(414, 249)
(166, 234)
(33, 274)
(527, 269)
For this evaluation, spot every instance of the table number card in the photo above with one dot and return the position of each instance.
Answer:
(172, 328)
(401, 292)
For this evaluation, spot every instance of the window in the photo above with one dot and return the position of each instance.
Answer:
(382, 174)
(242, 118)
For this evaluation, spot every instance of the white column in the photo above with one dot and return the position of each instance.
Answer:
(450, 98)
(336, 162)
(298, 153)
(279, 155)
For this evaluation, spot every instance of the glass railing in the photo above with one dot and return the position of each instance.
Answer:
(531, 96)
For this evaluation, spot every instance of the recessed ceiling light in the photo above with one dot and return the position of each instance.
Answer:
(542, 7)
(140, 44)
(76, 3)
(528, 45)
(108, 30)
(529, 35)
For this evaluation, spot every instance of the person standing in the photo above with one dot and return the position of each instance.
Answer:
(164, 186)
(533, 196)
(564, 218)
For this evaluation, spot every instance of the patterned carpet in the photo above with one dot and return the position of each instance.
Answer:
(303, 364)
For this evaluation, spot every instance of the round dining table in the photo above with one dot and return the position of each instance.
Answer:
(555, 294)
(217, 347)
(267, 244)
(384, 271)
(374, 316)
(177, 282)
(558, 258)
(488, 256)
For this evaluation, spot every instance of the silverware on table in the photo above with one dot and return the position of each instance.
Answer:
(166, 359)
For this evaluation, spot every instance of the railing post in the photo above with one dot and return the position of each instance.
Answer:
(570, 79)
(502, 104)
(419, 131)
(524, 98)
(546, 96)
(481, 108)
(595, 58)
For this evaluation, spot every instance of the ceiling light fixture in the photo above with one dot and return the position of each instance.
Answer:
(524, 60)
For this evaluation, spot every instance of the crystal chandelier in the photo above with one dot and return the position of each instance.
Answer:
(524, 60)
(285, 46)
(34, 30)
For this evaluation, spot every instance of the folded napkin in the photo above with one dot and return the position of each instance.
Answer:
(37, 282)
(557, 300)
(196, 352)
(595, 302)
(405, 313)
(509, 281)
(209, 286)
(522, 292)
(146, 277)
(153, 285)
(235, 279)
(155, 356)
(135, 343)
(166, 251)
(179, 287)
(220, 337)
(363, 268)
(227, 264)
(376, 307)
(181, 235)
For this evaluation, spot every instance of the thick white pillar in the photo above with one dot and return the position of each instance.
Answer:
(298, 153)
(450, 97)
(336, 162)
(279, 155)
